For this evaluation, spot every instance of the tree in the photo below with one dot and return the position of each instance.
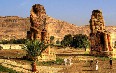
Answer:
(86, 42)
(80, 41)
(67, 41)
(58, 42)
(51, 39)
(34, 48)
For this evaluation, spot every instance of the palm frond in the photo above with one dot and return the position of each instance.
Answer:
(34, 47)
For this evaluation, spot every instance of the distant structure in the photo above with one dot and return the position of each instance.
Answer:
(38, 30)
(99, 37)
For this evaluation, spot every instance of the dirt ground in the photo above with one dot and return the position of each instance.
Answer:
(83, 66)
(81, 62)
(12, 53)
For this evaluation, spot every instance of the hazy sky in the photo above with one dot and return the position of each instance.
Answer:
(73, 11)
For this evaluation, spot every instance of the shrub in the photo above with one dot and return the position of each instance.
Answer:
(59, 61)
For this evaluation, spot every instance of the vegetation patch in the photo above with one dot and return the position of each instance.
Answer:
(76, 41)
(13, 41)
(58, 61)
(4, 69)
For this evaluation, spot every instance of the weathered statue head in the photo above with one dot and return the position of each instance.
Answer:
(38, 16)
(38, 9)
(97, 13)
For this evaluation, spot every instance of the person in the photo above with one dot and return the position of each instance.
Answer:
(96, 64)
(65, 61)
(91, 61)
(70, 61)
(110, 63)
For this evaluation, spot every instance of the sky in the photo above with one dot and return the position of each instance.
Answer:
(73, 11)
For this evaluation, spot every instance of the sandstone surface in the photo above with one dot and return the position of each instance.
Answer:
(57, 28)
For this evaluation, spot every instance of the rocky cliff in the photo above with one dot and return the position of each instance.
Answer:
(60, 28)
(14, 27)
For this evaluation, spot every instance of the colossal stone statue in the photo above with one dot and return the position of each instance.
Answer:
(38, 29)
(99, 37)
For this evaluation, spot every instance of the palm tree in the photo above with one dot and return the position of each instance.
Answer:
(34, 48)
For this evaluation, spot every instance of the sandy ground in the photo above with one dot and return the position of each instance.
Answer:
(80, 64)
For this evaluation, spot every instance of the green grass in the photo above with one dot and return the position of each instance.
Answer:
(86, 52)
(58, 61)
(4, 69)
(104, 58)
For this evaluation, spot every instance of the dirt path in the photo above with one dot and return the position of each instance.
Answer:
(26, 68)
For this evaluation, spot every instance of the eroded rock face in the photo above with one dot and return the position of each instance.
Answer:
(13, 27)
(100, 38)
(38, 29)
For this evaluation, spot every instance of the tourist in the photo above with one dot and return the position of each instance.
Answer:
(96, 64)
(70, 61)
(110, 63)
(65, 61)
(91, 61)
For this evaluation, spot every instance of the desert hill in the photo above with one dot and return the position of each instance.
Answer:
(14, 27)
